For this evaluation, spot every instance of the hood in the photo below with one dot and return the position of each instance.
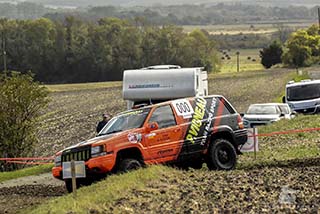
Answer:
(260, 117)
(98, 139)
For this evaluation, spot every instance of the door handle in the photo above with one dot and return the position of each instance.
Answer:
(177, 130)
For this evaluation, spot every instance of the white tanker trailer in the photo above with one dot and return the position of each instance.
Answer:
(161, 83)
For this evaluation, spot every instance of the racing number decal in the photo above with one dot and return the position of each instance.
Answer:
(183, 108)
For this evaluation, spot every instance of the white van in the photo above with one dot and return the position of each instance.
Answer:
(160, 83)
(304, 96)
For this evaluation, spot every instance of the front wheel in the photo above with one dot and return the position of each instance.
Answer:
(129, 164)
(222, 155)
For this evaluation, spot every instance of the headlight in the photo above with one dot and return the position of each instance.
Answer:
(97, 151)
(57, 160)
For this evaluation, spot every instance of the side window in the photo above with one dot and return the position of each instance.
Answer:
(225, 108)
(163, 116)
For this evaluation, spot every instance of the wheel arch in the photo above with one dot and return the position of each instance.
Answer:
(133, 152)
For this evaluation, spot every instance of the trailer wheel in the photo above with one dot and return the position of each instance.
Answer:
(222, 155)
(129, 164)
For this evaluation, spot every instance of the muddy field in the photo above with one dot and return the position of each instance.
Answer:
(293, 187)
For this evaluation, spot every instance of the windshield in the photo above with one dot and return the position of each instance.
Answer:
(262, 109)
(303, 92)
(128, 120)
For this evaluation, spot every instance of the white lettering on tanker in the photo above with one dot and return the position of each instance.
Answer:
(197, 118)
(183, 108)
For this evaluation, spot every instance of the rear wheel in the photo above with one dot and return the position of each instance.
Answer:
(222, 155)
(129, 164)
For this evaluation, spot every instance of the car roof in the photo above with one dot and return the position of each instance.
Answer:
(268, 104)
(303, 82)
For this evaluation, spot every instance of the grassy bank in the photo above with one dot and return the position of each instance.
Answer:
(25, 172)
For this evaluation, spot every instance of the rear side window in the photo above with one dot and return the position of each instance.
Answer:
(163, 116)
(221, 106)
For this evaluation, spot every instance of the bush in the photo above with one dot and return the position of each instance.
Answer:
(271, 55)
(22, 99)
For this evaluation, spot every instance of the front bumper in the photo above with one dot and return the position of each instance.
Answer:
(94, 167)
(241, 137)
(311, 110)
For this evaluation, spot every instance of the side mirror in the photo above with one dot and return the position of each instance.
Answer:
(152, 126)
(284, 99)
(282, 115)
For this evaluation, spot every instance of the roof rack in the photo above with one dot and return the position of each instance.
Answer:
(154, 67)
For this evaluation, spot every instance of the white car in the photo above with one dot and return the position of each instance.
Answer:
(266, 113)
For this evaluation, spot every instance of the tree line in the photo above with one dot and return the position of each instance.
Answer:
(301, 49)
(76, 51)
(187, 14)
(195, 14)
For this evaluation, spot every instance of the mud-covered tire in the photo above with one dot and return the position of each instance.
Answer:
(129, 165)
(222, 155)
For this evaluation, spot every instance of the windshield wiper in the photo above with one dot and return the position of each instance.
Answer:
(114, 131)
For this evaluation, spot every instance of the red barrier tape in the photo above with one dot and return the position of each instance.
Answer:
(28, 163)
(26, 159)
(286, 132)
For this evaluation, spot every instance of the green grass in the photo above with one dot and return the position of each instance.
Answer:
(249, 60)
(274, 149)
(83, 86)
(25, 172)
(94, 197)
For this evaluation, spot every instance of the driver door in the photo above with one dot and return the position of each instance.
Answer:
(164, 143)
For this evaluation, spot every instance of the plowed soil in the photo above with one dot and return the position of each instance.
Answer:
(291, 187)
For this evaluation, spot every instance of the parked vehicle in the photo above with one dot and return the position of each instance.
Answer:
(266, 113)
(303, 97)
(161, 83)
(186, 132)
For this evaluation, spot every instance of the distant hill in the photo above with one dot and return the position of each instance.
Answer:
(86, 3)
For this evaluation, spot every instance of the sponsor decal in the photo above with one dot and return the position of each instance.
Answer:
(132, 113)
(183, 108)
(162, 152)
(197, 118)
(153, 85)
(134, 138)
(209, 120)
(151, 135)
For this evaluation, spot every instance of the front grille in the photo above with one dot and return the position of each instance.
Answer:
(77, 154)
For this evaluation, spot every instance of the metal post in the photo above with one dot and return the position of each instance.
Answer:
(73, 177)
(319, 18)
(238, 61)
(254, 143)
(4, 52)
